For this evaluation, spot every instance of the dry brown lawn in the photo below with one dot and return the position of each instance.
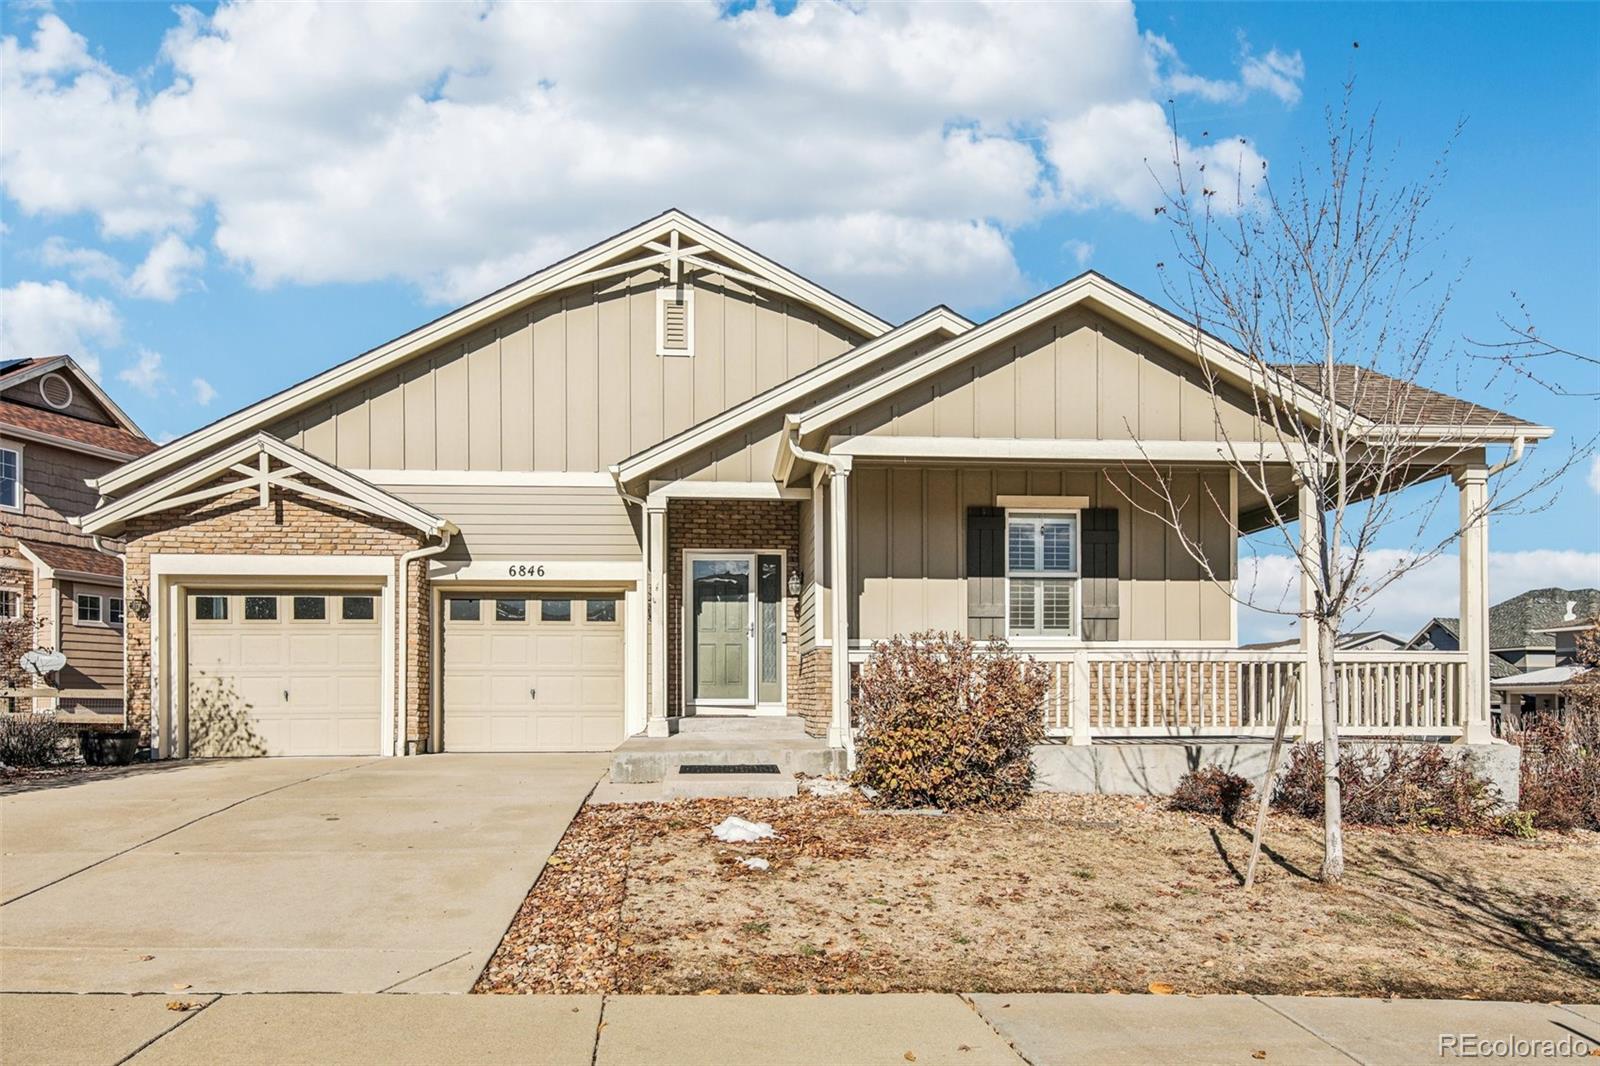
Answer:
(1071, 893)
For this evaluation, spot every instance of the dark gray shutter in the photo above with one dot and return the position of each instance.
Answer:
(1100, 613)
(986, 573)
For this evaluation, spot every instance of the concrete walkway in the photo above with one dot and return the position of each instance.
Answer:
(278, 875)
(892, 1030)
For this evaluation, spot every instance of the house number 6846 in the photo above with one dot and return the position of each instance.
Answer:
(527, 570)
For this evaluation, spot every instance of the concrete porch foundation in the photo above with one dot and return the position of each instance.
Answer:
(1152, 767)
(783, 741)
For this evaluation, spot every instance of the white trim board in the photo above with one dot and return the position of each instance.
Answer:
(662, 491)
(569, 271)
(497, 572)
(991, 449)
(522, 478)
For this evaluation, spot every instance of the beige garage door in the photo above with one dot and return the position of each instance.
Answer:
(284, 673)
(532, 674)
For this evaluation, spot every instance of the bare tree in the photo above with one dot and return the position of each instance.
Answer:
(1524, 351)
(1325, 294)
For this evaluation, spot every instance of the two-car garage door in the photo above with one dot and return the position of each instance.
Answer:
(299, 672)
(533, 674)
(284, 673)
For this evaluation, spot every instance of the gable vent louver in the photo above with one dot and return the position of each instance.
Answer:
(55, 391)
(675, 320)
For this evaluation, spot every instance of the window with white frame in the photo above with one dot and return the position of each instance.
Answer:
(1042, 574)
(88, 608)
(10, 603)
(114, 610)
(11, 479)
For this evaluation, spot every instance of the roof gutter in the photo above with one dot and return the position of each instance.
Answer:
(1518, 444)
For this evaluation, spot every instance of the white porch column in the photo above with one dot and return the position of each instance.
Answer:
(1472, 483)
(839, 547)
(656, 596)
(1310, 694)
(1077, 670)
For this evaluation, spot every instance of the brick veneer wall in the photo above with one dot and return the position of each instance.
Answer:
(291, 525)
(816, 688)
(732, 526)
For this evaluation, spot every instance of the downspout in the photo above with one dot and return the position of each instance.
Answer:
(104, 549)
(447, 530)
(841, 644)
(1518, 444)
(654, 612)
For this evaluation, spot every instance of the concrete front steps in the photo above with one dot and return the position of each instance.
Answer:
(715, 742)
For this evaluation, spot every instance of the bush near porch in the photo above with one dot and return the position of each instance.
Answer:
(948, 723)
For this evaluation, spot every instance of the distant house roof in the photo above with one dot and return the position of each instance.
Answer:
(1519, 622)
(1390, 401)
(70, 560)
(1550, 678)
(1363, 639)
(74, 430)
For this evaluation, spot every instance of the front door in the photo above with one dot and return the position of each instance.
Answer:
(722, 613)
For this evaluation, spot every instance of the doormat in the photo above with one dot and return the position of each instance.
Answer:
(728, 768)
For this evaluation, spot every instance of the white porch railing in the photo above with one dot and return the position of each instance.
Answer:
(1124, 691)
(1167, 692)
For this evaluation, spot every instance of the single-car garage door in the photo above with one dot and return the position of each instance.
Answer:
(284, 673)
(532, 674)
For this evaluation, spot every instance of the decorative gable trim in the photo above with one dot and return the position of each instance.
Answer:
(262, 464)
(673, 241)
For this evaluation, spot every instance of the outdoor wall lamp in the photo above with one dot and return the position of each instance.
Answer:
(795, 580)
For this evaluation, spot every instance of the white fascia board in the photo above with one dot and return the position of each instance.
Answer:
(990, 449)
(464, 319)
(380, 567)
(1134, 311)
(939, 319)
(557, 572)
(662, 491)
(519, 478)
(362, 494)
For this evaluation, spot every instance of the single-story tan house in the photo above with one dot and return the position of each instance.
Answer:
(667, 478)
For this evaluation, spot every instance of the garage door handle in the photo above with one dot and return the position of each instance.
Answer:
(533, 694)
(285, 695)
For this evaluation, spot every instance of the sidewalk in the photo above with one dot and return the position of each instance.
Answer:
(977, 1030)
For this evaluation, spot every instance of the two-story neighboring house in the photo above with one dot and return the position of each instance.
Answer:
(58, 429)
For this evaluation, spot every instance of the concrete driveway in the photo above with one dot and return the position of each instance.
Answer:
(278, 875)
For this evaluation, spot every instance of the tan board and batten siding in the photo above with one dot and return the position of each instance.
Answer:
(909, 559)
(1075, 377)
(578, 523)
(572, 383)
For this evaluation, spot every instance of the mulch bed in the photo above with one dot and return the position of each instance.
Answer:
(1070, 893)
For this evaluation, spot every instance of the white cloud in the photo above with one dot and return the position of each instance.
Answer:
(455, 145)
(204, 393)
(1277, 73)
(145, 374)
(52, 318)
(1271, 581)
(167, 270)
(1080, 251)
(1594, 473)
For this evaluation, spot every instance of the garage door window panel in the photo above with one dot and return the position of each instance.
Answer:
(555, 610)
(464, 610)
(510, 610)
(358, 609)
(261, 608)
(310, 608)
(600, 611)
(210, 609)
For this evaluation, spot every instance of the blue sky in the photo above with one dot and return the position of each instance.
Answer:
(208, 218)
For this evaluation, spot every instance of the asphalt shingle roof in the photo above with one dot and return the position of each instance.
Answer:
(1390, 401)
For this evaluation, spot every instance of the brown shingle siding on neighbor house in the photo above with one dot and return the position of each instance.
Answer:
(53, 491)
(292, 525)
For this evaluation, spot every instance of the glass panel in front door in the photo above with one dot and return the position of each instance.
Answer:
(721, 612)
(769, 651)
